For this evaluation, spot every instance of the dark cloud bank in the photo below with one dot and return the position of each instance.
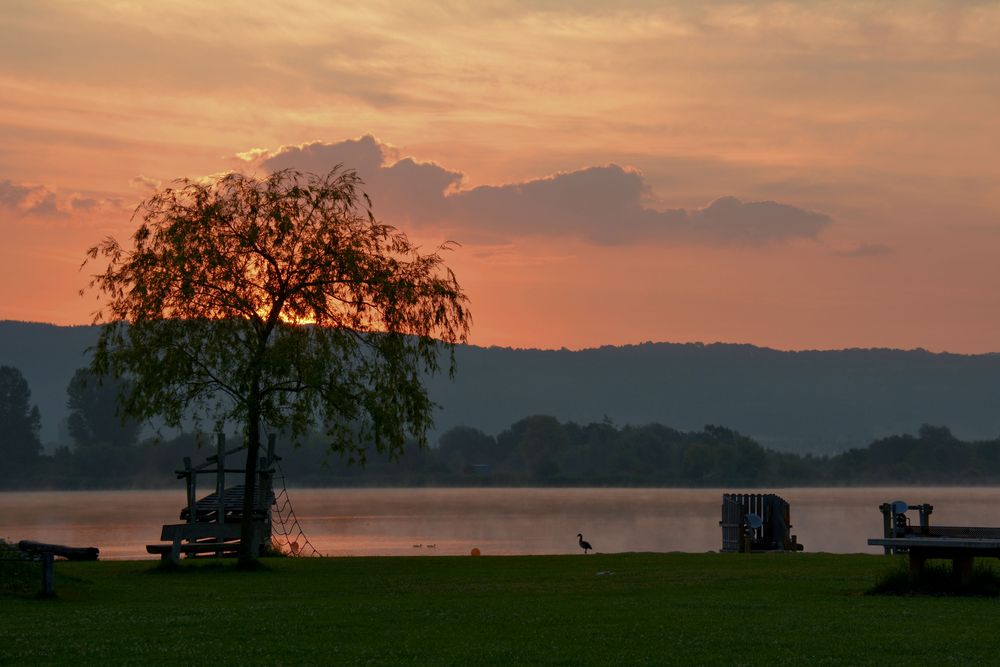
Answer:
(601, 204)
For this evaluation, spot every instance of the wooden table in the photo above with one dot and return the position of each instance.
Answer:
(962, 551)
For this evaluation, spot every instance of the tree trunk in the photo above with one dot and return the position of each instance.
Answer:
(247, 557)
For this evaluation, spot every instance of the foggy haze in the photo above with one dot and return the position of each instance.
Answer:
(391, 522)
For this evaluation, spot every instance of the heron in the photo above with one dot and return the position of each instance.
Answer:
(584, 544)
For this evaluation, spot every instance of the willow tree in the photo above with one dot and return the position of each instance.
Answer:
(279, 300)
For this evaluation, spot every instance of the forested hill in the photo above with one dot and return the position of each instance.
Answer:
(816, 401)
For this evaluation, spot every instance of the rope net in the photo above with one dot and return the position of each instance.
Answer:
(286, 533)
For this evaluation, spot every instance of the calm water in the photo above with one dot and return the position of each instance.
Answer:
(415, 522)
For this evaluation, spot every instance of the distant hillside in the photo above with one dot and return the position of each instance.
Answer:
(47, 355)
(799, 401)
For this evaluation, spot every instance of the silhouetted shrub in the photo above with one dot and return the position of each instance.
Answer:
(937, 579)
(18, 574)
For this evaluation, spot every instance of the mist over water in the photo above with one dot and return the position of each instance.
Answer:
(422, 521)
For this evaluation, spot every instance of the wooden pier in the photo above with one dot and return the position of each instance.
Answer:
(211, 525)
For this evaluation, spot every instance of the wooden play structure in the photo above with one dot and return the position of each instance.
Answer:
(753, 522)
(211, 525)
(959, 544)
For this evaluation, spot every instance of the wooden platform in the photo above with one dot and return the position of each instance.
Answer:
(207, 509)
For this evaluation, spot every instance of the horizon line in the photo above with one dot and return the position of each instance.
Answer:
(593, 348)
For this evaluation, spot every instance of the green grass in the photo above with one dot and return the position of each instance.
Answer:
(685, 609)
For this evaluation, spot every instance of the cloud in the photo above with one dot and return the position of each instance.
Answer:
(366, 154)
(730, 220)
(403, 190)
(40, 202)
(141, 182)
(28, 200)
(252, 154)
(603, 204)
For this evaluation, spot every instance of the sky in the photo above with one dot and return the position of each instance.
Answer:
(812, 175)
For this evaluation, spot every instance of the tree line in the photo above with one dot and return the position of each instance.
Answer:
(108, 452)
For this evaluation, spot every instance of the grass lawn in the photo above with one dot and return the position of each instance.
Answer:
(685, 609)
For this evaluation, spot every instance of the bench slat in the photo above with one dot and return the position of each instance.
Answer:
(195, 548)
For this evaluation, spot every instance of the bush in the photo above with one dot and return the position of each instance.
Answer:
(18, 573)
(937, 579)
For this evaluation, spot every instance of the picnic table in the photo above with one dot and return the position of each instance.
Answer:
(959, 544)
(961, 551)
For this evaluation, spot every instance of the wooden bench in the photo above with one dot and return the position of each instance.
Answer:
(46, 553)
(212, 524)
(196, 538)
(172, 551)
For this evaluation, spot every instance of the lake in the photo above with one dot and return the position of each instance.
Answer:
(421, 521)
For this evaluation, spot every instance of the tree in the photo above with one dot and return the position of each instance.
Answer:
(95, 417)
(19, 421)
(280, 300)
(536, 442)
(463, 446)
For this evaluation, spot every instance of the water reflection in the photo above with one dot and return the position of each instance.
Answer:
(410, 522)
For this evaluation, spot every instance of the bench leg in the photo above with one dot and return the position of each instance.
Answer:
(961, 569)
(48, 574)
(175, 550)
(916, 564)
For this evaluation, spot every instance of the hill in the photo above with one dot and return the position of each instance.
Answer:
(811, 401)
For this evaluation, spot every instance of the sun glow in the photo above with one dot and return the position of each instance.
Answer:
(292, 319)
(883, 117)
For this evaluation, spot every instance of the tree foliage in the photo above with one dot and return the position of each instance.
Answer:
(596, 454)
(279, 300)
(19, 421)
(95, 417)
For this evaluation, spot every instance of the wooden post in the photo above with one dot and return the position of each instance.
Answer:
(786, 517)
(48, 574)
(961, 569)
(220, 479)
(917, 560)
(192, 496)
(886, 509)
(271, 438)
(744, 527)
(925, 518)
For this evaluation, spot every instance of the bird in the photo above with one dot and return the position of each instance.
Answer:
(584, 544)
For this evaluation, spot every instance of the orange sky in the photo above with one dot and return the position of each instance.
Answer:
(808, 175)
